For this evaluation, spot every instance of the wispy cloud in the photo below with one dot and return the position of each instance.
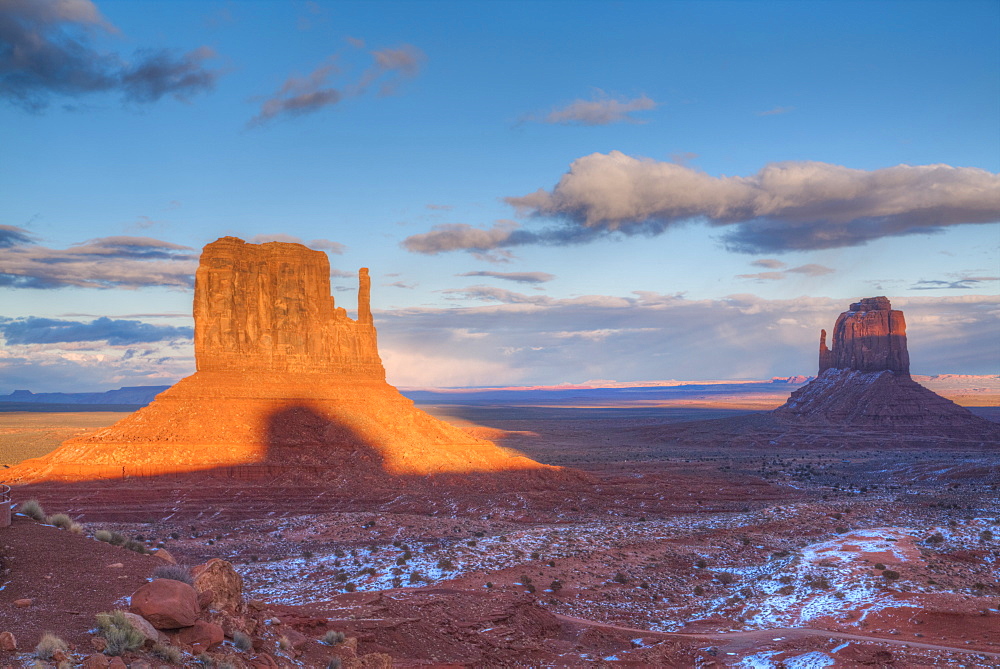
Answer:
(47, 51)
(774, 111)
(105, 262)
(601, 110)
(811, 269)
(319, 244)
(519, 277)
(299, 95)
(964, 283)
(769, 263)
(115, 332)
(646, 335)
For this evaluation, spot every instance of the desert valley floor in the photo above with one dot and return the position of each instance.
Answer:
(674, 544)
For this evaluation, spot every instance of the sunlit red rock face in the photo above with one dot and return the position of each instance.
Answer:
(870, 337)
(864, 380)
(285, 380)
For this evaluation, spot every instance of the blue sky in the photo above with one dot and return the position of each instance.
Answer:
(545, 192)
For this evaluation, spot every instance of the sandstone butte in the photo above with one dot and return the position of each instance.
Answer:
(285, 380)
(864, 380)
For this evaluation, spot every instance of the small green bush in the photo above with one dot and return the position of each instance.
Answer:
(60, 520)
(48, 645)
(33, 509)
(170, 654)
(173, 572)
(333, 637)
(121, 635)
(242, 641)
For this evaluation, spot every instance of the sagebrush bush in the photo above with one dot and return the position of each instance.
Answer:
(103, 535)
(134, 545)
(170, 654)
(48, 645)
(334, 663)
(284, 643)
(33, 509)
(174, 572)
(242, 641)
(117, 539)
(333, 637)
(121, 635)
(60, 520)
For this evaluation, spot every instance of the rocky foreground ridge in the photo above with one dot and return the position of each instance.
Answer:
(285, 381)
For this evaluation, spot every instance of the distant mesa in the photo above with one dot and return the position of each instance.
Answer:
(864, 380)
(285, 382)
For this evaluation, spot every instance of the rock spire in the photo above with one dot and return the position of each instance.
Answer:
(868, 337)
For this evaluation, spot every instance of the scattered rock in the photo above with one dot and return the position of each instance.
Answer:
(164, 554)
(96, 661)
(8, 642)
(117, 565)
(99, 643)
(143, 626)
(166, 603)
(23, 603)
(204, 634)
(117, 663)
(222, 583)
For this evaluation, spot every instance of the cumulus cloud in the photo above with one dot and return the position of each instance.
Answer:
(783, 207)
(299, 96)
(115, 332)
(106, 262)
(601, 110)
(519, 277)
(47, 50)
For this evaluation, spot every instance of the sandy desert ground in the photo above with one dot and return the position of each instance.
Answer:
(677, 550)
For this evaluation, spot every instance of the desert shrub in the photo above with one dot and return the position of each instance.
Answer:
(284, 643)
(117, 539)
(818, 583)
(489, 584)
(786, 579)
(350, 587)
(60, 520)
(986, 535)
(334, 663)
(333, 637)
(700, 564)
(935, 539)
(416, 576)
(205, 660)
(121, 635)
(725, 577)
(76, 528)
(48, 645)
(103, 535)
(529, 587)
(33, 509)
(446, 565)
(166, 653)
(242, 641)
(556, 586)
(173, 572)
(620, 578)
(890, 574)
(134, 545)
(879, 566)
(786, 589)
(698, 590)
